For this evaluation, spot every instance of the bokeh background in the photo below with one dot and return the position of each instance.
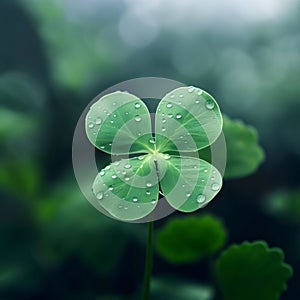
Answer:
(55, 56)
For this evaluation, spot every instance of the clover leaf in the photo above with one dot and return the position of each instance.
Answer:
(252, 271)
(187, 119)
(190, 239)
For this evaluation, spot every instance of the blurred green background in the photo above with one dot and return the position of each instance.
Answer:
(55, 56)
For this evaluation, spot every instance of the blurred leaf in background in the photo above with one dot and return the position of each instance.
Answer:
(163, 288)
(244, 154)
(252, 271)
(189, 239)
(284, 204)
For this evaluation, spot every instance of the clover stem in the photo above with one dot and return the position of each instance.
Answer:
(148, 263)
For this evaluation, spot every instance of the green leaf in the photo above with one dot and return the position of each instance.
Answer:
(190, 239)
(21, 178)
(163, 288)
(244, 155)
(119, 123)
(9, 124)
(70, 226)
(252, 271)
(128, 189)
(188, 183)
(188, 117)
(284, 204)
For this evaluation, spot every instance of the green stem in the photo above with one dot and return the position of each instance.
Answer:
(148, 264)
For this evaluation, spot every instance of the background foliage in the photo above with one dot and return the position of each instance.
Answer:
(55, 56)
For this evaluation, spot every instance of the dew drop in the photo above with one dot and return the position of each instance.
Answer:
(112, 122)
(169, 105)
(148, 193)
(126, 178)
(172, 96)
(102, 173)
(125, 207)
(91, 125)
(201, 199)
(98, 121)
(200, 92)
(114, 115)
(197, 101)
(102, 147)
(148, 184)
(114, 176)
(163, 120)
(116, 163)
(100, 196)
(152, 141)
(137, 105)
(180, 96)
(212, 178)
(126, 113)
(135, 199)
(153, 201)
(205, 171)
(215, 186)
(166, 156)
(107, 168)
(188, 194)
(209, 105)
(141, 157)
(110, 188)
(178, 116)
(127, 166)
(183, 185)
(191, 89)
(170, 115)
(138, 119)
(163, 129)
(202, 180)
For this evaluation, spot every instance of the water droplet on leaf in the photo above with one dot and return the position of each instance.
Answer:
(215, 186)
(210, 105)
(99, 196)
(98, 121)
(191, 89)
(201, 199)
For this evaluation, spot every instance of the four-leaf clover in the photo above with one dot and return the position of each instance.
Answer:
(163, 160)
